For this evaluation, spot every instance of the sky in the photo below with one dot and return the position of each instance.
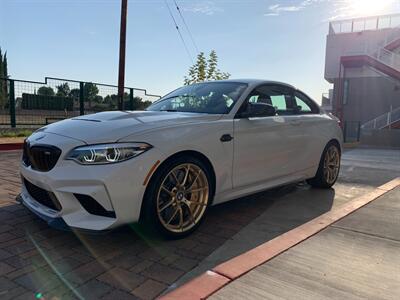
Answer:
(265, 39)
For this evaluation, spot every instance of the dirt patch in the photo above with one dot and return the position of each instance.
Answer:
(11, 140)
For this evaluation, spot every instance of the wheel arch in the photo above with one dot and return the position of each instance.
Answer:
(337, 143)
(192, 153)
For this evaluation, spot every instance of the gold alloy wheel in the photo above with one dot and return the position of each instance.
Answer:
(331, 164)
(182, 197)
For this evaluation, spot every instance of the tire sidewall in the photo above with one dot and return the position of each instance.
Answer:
(319, 180)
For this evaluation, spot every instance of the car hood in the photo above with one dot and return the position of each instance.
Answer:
(112, 126)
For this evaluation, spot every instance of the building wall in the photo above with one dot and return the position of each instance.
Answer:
(368, 97)
(381, 138)
(354, 43)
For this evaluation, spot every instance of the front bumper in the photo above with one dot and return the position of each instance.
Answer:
(55, 221)
(118, 188)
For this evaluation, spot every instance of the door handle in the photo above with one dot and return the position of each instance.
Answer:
(226, 138)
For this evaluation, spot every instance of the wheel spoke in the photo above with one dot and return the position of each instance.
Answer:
(167, 191)
(173, 201)
(194, 180)
(331, 164)
(166, 205)
(175, 178)
(173, 216)
(187, 203)
(198, 203)
(191, 216)
(196, 190)
(186, 175)
(332, 154)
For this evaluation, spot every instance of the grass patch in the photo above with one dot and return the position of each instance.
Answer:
(12, 134)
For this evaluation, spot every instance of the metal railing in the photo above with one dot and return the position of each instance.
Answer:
(383, 121)
(366, 23)
(25, 103)
(387, 57)
(379, 53)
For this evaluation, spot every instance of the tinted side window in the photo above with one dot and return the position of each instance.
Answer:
(304, 105)
(278, 96)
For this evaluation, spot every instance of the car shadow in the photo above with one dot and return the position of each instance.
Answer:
(60, 264)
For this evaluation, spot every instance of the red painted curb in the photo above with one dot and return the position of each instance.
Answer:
(200, 287)
(205, 285)
(11, 146)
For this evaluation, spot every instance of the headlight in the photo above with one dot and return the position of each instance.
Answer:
(107, 153)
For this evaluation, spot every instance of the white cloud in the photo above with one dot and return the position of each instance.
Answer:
(339, 8)
(294, 6)
(208, 8)
(344, 9)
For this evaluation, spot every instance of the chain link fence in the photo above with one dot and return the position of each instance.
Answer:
(31, 104)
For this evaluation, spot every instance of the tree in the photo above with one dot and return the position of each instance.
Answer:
(3, 83)
(63, 90)
(45, 91)
(90, 92)
(204, 70)
(74, 93)
(111, 102)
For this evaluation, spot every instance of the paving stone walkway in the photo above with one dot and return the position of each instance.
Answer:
(38, 260)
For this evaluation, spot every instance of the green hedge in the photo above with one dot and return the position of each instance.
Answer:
(31, 101)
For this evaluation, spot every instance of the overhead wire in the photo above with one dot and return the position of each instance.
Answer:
(179, 32)
(186, 26)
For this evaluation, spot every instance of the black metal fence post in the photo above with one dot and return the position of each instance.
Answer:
(345, 132)
(358, 131)
(131, 99)
(81, 99)
(12, 105)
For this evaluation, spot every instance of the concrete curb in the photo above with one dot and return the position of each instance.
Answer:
(208, 283)
(11, 146)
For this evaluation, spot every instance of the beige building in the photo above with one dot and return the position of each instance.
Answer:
(363, 64)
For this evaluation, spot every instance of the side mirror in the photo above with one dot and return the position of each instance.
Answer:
(258, 110)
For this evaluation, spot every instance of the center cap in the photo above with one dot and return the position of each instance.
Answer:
(179, 196)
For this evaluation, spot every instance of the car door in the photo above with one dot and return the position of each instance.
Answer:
(312, 125)
(265, 148)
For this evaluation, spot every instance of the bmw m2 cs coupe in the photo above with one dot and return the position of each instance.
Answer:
(198, 146)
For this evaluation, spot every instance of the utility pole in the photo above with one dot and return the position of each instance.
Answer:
(122, 47)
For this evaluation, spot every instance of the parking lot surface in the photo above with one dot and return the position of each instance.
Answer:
(36, 260)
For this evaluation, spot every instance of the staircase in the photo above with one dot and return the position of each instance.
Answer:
(383, 59)
(388, 58)
(389, 120)
(387, 61)
(392, 41)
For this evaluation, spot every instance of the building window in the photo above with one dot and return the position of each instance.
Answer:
(345, 91)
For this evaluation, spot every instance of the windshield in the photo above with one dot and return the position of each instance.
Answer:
(210, 98)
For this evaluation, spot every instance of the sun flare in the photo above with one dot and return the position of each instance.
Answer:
(368, 7)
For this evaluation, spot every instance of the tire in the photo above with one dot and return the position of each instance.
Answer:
(329, 167)
(178, 197)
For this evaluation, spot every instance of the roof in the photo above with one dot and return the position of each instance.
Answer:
(253, 81)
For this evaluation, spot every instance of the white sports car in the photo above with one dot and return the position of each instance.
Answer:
(198, 146)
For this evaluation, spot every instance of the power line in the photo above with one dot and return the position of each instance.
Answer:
(179, 32)
(187, 27)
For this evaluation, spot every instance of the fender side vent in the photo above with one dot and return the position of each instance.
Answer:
(93, 207)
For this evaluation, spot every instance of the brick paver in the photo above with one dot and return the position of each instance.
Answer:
(119, 265)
